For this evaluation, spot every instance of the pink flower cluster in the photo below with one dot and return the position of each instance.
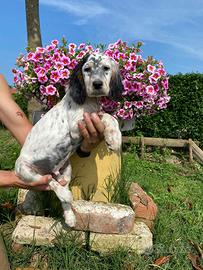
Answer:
(145, 83)
(45, 72)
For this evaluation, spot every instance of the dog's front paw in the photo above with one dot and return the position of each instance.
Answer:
(69, 217)
(113, 140)
(64, 194)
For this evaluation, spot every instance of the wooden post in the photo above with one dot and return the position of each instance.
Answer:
(190, 150)
(3, 256)
(142, 147)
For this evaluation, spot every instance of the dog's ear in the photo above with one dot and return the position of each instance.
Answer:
(116, 86)
(77, 85)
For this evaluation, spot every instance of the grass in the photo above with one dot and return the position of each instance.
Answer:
(176, 189)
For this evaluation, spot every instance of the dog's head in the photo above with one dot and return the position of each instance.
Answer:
(96, 75)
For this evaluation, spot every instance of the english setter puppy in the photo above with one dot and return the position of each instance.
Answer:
(56, 136)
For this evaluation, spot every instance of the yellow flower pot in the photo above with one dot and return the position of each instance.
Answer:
(94, 177)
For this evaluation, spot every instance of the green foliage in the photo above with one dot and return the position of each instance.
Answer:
(183, 117)
(22, 101)
(175, 188)
(10, 150)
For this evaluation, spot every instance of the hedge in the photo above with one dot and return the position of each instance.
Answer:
(184, 116)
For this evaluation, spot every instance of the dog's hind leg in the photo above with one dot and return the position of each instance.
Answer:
(68, 212)
(28, 174)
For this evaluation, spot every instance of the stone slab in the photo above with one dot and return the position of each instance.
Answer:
(41, 230)
(140, 240)
(44, 231)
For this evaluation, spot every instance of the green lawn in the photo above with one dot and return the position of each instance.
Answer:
(177, 190)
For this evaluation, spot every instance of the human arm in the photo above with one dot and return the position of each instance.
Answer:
(15, 120)
(11, 114)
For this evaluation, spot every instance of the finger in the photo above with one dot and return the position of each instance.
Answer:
(97, 123)
(44, 180)
(89, 125)
(83, 130)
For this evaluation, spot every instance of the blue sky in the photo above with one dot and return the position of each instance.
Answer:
(171, 30)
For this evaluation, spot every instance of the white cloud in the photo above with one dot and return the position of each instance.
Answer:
(177, 23)
(82, 9)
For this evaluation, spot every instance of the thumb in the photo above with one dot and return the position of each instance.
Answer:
(44, 180)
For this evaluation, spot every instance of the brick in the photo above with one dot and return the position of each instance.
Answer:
(103, 217)
(143, 205)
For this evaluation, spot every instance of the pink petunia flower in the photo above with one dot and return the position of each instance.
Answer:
(42, 89)
(155, 76)
(138, 104)
(48, 65)
(40, 71)
(81, 46)
(111, 46)
(80, 55)
(58, 65)
(37, 57)
(30, 56)
(89, 48)
(120, 113)
(72, 46)
(55, 75)
(42, 79)
(73, 64)
(65, 60)
(109, 53)
(150, 90)
(122, 56)
(128, 65)
(165, 83)
(50, 48)
(26, 67)
(127, 104)
(56, 57)
(161, 72)
(65, 73)
(40, 50)
(51, 90)
(72, 51)
(151, 68)
(133, 57)
(55, 42)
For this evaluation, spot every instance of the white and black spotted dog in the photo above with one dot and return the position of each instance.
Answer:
(56, 136)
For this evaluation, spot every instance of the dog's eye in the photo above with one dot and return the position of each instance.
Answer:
(106, 68)
(87, 69)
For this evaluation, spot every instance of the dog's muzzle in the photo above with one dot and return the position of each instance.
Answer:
(97, 84)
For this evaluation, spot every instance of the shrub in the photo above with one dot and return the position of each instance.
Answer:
(21, 100)
(184, 115)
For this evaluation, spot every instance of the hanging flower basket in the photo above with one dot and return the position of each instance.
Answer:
(45, 72)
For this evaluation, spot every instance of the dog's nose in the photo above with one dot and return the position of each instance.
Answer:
(97, 84)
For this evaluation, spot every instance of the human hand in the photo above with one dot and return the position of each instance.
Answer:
(92, 131)
(42, 184)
